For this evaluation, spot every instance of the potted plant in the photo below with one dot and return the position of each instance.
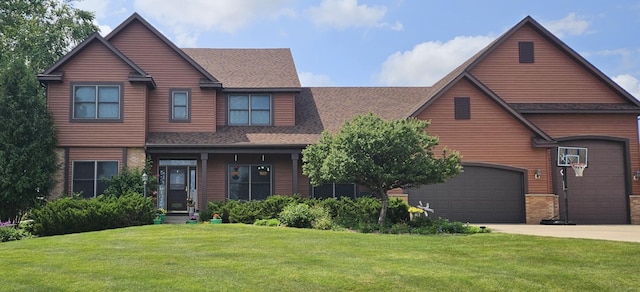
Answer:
(192, 220)
(157, 220)
(162, 213)
(216, 219)
(263, 170)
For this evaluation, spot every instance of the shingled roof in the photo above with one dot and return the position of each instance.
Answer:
(317, 109)
(248, 68)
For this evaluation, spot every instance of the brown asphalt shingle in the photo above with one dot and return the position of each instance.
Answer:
(248, 68)
(317, 109)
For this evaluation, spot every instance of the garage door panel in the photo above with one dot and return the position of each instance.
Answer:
(478, 195)
(599, 197)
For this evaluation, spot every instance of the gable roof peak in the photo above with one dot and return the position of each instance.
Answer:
(51, 75)
(137, 17)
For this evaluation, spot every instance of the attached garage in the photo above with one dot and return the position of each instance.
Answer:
(481, 194)
(600, 195)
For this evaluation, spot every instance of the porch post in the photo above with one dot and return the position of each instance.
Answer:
(204, 157)
(294, 165)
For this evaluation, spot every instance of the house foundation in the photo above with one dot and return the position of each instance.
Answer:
(634, 209)
(542, 207)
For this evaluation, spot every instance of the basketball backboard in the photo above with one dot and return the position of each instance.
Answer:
(568, 155)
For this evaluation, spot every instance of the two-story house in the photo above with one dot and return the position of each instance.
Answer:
(231, 124)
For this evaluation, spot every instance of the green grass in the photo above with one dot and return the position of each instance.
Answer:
(234, 257)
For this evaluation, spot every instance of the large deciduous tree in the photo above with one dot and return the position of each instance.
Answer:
(379, 154)
(41, 31)
(27, 142)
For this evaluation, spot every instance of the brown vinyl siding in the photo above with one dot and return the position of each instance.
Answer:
(217, 177)
(553, 77)
(284, 113)
(282, 179)
(491, 135)
(169, 70)
(91, 154)
(97, 64)
(221, 110)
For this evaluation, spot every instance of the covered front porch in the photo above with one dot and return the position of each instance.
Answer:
(189, 178)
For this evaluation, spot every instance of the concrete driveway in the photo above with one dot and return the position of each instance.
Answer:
(629, 233)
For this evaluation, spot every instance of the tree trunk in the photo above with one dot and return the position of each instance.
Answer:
(385, 203)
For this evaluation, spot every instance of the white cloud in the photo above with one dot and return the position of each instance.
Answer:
(308, 79)
(104, 29)
(99, 7)
(629, 83)
(342, 14)
(570, 25)
(197, 16)
(428, 62)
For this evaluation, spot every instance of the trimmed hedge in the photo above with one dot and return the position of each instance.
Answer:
(345, 212)
(73, 214)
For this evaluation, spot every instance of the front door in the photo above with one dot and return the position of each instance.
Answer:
(177, 194)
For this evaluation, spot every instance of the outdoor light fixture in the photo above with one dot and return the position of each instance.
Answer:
(145, 177)
(636, 176)
(537, 174)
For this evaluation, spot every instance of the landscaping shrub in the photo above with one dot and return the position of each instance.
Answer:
(398, 211)
(321, 218)
(297, 215)
(267, 222)
(10, 233)
(243, 211)
(273, 205)
(74, 214)
(273, 222)
(359, 214)
(398, 228)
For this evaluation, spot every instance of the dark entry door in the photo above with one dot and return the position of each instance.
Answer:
(177, 185)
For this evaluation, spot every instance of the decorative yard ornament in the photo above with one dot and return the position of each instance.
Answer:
(425, 208)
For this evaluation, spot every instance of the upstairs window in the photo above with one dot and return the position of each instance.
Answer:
(462, 108)
(525, 50)
(180, 105)
(88, 176)
(250, 109)
(96, 102)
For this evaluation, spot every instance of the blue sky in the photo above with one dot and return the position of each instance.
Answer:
(387, 43)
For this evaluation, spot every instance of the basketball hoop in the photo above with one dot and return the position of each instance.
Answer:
(578, 168)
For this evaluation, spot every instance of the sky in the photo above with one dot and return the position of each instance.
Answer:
(387, 43)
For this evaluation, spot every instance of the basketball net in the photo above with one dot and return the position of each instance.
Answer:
(578, 168)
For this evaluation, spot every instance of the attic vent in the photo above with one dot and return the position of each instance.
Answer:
(525, 50)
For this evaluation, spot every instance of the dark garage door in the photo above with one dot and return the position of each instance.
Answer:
(478, 195)
(599, 197)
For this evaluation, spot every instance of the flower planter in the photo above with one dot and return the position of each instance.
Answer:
(192, 221)
(162, 217)
(216, 221)
(157, 221)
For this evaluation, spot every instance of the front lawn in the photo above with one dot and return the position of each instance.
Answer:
(236, 257)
